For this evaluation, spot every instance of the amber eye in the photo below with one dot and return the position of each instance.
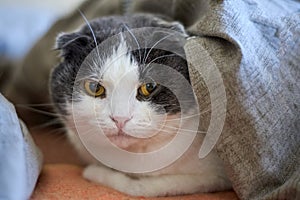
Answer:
(147, 88)
(94, 88)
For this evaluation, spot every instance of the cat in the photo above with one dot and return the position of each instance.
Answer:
(128, 105)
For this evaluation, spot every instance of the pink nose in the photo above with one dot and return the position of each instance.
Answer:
(120, 121)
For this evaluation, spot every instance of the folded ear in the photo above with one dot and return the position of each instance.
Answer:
(72, 45)
(176, 26)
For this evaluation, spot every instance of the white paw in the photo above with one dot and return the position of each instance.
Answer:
(114, 179)
(96, 173)
(151, 186)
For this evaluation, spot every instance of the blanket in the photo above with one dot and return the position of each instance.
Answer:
(244, 65)
(21, 160)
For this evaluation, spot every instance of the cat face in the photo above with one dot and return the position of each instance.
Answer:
(120, 92)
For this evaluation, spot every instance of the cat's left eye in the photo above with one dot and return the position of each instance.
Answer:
(146, 89)
(94, 88)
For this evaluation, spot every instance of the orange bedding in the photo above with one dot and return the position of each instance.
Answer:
(60, 181)
(64, 181)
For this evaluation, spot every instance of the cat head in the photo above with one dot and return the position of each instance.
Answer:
(124, 92)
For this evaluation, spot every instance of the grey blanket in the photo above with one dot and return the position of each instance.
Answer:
(248, 48)
(256, 47)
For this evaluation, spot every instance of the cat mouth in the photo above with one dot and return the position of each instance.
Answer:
(121, 134)
(122, 139)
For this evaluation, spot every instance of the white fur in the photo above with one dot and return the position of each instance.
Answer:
(187, 175)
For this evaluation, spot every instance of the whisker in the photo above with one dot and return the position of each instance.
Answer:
(39, 111)
(159, 130)
(166, 132)
(93, 34)
(185, 131)
(42, 104)
(186, 117)
(89, 132)
(170, 55)
(79, 80)
(135, 39)
(144, 61)
(188, 130)
(58, 131)
(87, 122)
(47, 124)
(144, 54)
(61, 137)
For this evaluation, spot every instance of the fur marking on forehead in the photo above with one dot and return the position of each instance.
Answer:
(120, 65)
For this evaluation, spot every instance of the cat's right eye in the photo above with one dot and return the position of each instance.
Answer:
(146, 89)
(94, 88)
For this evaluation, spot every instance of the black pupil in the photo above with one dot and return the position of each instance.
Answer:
(94, 86)
(150, 87)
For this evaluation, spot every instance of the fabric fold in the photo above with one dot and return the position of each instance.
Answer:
(21, 160)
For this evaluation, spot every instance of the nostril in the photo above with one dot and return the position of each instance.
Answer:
(120, 121)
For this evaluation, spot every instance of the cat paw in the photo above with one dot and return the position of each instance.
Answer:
(96, 173)
(114, 179)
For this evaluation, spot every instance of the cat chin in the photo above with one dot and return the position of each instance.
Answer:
(138, 145)
(122, 141)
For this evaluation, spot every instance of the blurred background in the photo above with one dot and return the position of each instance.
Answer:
(22, 22)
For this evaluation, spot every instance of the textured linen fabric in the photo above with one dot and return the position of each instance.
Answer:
(255, 47)
(260, 142)
(21, 160)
